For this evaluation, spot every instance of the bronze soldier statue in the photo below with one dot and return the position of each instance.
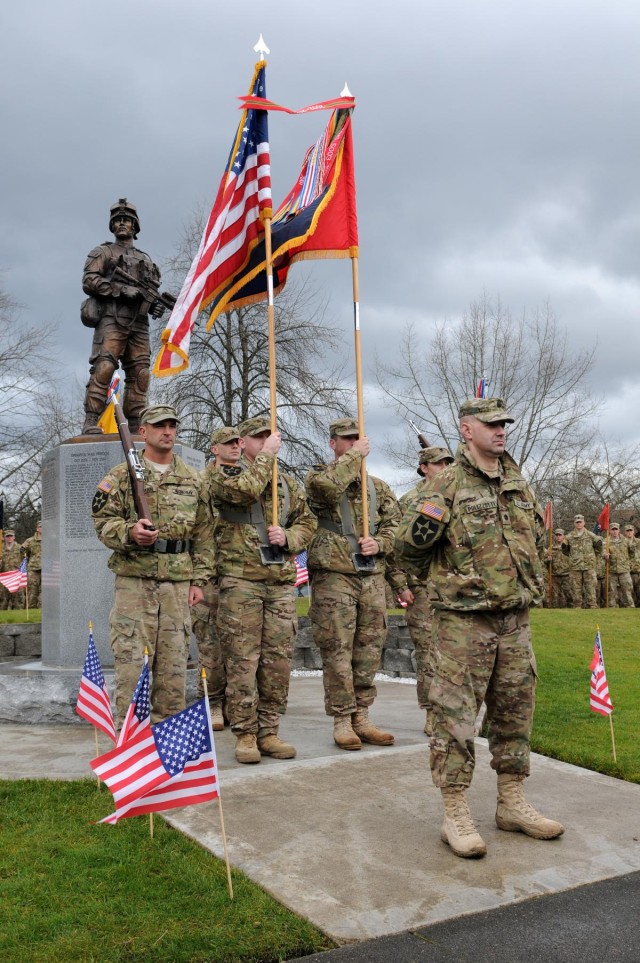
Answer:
(123, 285)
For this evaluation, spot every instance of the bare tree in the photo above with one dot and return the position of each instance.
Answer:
(228, 375)
(526, 361)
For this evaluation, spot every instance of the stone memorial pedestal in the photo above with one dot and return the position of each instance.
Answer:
(77, 586)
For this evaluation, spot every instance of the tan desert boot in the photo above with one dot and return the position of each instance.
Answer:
(247, 748)
(343, 734)
(458, 830)
(514, 814)
(365, 729)
(272, 745)
(217, 720)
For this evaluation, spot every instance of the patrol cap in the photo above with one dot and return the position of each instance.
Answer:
(615, 525)
(430, 456)
(222, 435)
(9, 531)
(627, 528)
(254, 426)
(559, 531)
(488, 410)
(157, 413)
(578, 518)
(344, 428)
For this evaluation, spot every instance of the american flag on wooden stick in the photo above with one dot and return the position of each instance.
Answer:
(599, 698)
(93, 703)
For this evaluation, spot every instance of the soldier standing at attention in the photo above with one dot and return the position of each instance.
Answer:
(348, 611)
(10, 561)
(561, 597)
(478, 524)
(118, 311)
(161, 564)
(226, 450)
(621, 554)
(32, 550)
(583, 549)
(634, 560)
(256, 608)
(419, 613)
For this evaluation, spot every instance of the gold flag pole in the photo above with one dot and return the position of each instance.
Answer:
(359, 393)
(203, 676)
(606, 570)
(273, 397)
(550, 566)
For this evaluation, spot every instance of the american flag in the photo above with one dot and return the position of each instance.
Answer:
(599, 698)
(302, 574)
(16, 578)
(163, 766)
(483, 388)
(93, 703)
(139, 712)
(242, 202)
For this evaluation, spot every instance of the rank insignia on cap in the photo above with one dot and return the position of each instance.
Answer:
(432, 511)
(105, 486)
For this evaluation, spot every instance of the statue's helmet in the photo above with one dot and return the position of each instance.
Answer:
(123, 206)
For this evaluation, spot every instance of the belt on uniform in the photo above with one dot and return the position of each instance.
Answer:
(171, 546)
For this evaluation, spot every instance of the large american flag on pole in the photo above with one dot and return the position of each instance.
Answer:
(242, 202)
(15, 579)
(599, 698)
(164, 766)
(93, 703)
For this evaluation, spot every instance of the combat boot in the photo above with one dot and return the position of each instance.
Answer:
(91, 426)
(457, 829)
(365, 729)
(272, 745)
(343, 734)
(247, 748)
(217, 720)
(514, 814)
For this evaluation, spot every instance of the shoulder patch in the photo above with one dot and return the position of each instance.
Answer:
(231, 470)
(431, 511)
(105, 485)
(100, 499)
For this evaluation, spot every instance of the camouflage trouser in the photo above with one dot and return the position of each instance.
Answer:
(620, 591)
(480, 657)
(155, 615)
(34, 588)
(203, 617)
(561, 596)
(257, 624)
(635, 578)
(583, 589)
(11, 600)
(349, 620)
(601, 597)
(420, 622)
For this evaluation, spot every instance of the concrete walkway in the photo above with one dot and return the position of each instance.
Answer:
(351, 840)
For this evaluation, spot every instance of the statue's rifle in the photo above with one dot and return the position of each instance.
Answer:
(156, 302)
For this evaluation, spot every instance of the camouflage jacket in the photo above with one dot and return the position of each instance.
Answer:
(417, 575)
(11, 558)
(560, 562)
(331, 551)
(621, 552)
(582, 548)
(634, 559)
(178, 511)
(480, 531)
(32, 549)
(233, 490)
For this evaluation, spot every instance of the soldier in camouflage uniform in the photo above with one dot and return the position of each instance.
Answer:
(419, 614)
(583, 549)
(256, 609)
(561, 597)
(620, 553)
(478, 527)
(161, 565)
(10, 561)
(634, 562)
(119, 314)
(348, 612)
(226, 450)
(601, 584)
(32, 550)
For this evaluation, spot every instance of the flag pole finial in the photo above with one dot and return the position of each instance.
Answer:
(261, 48)
(345, 92)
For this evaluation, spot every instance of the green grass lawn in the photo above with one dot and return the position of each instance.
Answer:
(75, 891)
(20, 615)
(564, 725)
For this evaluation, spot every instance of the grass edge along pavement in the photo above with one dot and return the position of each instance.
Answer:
(74, 890)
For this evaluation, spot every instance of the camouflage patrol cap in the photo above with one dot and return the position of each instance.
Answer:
(559, 531)
(254, 426)
(157, 413)
(223, 435)
(578, 518)
(628, 528)
(615, 525)
(430, 456)
(488, 410)
(9, 531)
(344, 428)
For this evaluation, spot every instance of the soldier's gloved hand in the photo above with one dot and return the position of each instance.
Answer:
(129, 293)
(157, 309)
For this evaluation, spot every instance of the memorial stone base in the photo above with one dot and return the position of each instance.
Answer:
(77, 586)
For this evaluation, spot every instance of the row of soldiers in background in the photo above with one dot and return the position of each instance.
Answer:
(12, 556)
(588, 572)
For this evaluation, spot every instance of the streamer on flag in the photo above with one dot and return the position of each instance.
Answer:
(317, 218)
(93, 703)
(139, 712)
(483, 388)
(302, 573)
(599, 699)
(242, 202)
(163, 766)
(15, 579)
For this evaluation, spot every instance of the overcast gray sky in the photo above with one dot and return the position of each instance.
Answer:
(496, 144)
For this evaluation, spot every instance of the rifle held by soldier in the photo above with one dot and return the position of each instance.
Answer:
(132, 458)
